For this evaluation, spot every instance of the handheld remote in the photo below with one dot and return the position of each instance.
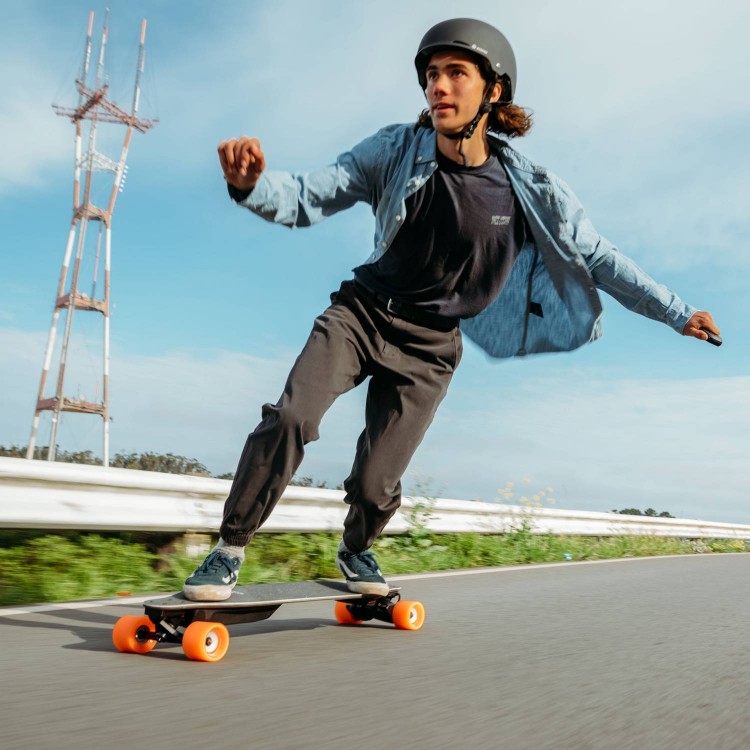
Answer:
(712, 337)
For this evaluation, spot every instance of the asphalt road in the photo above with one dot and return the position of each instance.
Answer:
(646, 654)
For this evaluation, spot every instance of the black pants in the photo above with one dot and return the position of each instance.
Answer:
(410, 367)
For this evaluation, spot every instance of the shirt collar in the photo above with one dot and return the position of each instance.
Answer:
(426, 146)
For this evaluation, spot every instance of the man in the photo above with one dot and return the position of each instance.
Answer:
(468, 232)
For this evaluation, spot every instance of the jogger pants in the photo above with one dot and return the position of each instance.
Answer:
(409, 366)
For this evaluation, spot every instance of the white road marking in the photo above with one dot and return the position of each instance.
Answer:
(537, 566)
(91, 604)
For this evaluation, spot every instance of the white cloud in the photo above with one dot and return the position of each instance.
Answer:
(203, 403)
(199, 403)
(677, 445)
(34, 142)
(641, 107)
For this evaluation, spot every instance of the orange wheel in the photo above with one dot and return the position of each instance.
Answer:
(344, 616)
(408, 615)
(205, 641)
(125, 634)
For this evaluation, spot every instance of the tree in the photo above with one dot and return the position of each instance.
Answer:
(296, 481)
(166, 463)
(648, 512)
(13, 451)
(310, 482)
(40, 452)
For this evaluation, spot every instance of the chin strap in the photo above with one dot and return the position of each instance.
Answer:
(468, 131)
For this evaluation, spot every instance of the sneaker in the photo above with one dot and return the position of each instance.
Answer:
(214, 580)
(363, 576)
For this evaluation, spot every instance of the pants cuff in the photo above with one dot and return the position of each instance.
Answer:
(236, 540)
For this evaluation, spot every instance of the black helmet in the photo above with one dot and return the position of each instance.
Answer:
(477, 38)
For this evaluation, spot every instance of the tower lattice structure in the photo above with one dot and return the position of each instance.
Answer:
(93, 108)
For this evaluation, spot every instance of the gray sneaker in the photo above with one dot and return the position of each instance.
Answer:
(214, 580)
(363, 576)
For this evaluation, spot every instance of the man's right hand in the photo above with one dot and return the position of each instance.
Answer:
(242, 161)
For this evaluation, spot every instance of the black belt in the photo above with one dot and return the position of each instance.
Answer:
(412, 313)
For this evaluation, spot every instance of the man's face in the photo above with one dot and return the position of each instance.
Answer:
(454, 90)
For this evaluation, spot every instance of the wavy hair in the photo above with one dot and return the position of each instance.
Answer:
(504, 118)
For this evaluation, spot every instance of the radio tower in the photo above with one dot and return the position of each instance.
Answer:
(93, 106)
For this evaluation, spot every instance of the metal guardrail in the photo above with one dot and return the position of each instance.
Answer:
(44, 495)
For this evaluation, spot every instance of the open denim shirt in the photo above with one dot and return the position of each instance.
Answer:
(549, 303)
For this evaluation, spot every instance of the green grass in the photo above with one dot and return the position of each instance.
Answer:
(57, 567)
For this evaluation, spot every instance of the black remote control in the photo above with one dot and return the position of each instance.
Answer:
(712, 337)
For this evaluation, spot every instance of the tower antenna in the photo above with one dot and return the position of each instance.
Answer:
(93, 108)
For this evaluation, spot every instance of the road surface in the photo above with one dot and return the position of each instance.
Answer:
(648, 654)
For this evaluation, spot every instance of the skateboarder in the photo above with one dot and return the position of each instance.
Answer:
(470, 237)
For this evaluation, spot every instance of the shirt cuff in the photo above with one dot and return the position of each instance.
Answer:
(237, 195)
(679, 315)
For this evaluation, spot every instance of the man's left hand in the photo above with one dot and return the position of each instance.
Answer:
(701, 319)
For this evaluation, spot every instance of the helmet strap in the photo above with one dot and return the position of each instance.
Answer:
(468, 131)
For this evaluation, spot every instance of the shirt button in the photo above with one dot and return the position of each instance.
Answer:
(417, 181)
(383, 244)
(398, 218)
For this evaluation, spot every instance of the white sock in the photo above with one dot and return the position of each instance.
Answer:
(230, 549)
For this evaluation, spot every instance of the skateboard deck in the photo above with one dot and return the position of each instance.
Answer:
(266, 594)
(201, 626)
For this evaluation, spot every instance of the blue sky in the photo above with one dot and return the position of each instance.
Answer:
(641, 107)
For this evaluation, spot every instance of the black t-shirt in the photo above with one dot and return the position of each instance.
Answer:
(462, 233)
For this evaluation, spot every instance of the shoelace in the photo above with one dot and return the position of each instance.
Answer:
(368, 559)
(216, 562)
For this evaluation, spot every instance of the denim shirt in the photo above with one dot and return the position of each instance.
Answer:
(550, 302)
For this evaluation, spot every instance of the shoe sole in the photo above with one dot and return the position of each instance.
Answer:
(368, 587)
(207, 593)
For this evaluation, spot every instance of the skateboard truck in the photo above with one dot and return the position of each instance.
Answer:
(368, 609)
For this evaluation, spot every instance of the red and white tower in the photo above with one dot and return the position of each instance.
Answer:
(93, 108)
